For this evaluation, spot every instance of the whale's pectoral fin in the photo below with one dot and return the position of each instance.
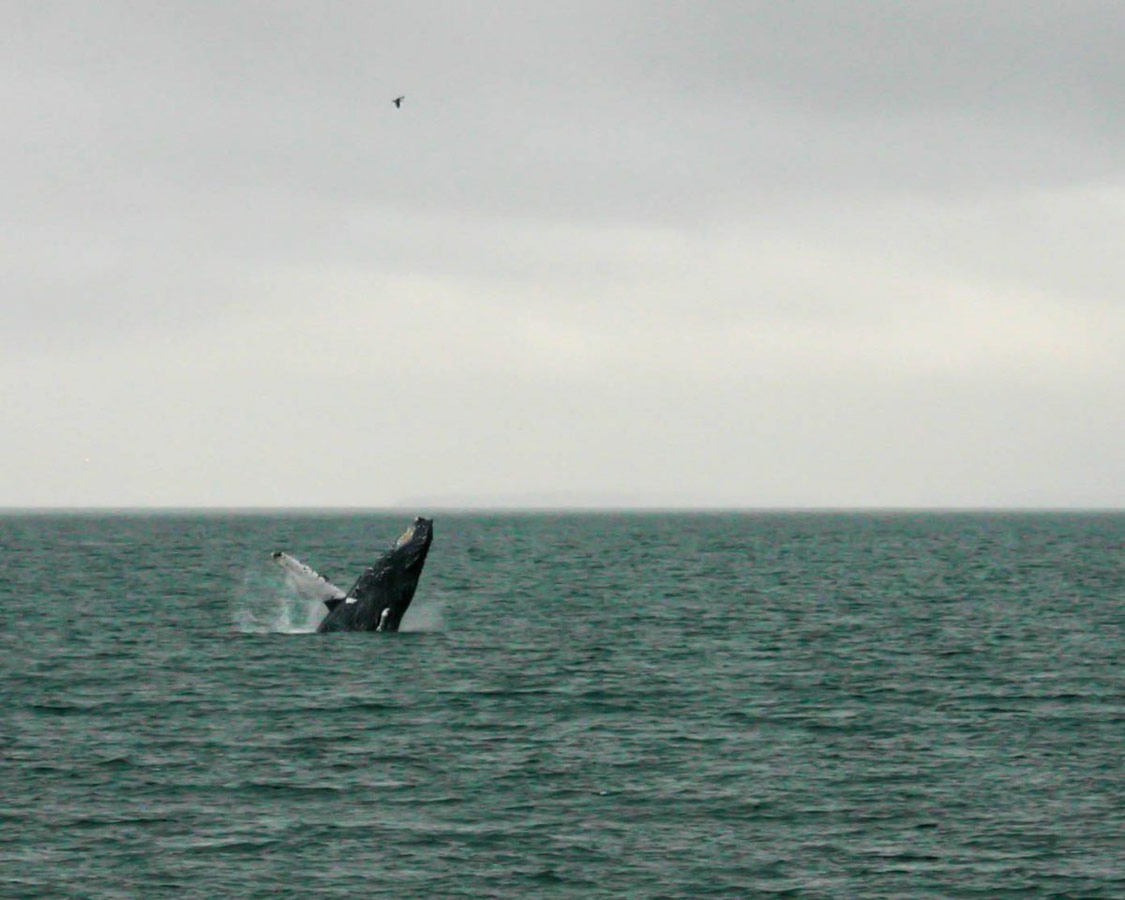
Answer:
(308, 582)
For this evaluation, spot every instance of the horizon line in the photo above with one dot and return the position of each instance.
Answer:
(575, 508)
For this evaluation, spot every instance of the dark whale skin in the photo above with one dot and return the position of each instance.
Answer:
(388, 584)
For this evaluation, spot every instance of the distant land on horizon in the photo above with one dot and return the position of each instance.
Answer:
(563, 500)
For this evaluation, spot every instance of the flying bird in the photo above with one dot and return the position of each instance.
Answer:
(398, 101)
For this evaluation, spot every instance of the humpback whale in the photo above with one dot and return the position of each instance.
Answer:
(381, 594)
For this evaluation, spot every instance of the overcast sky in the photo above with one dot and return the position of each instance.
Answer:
(702, 253)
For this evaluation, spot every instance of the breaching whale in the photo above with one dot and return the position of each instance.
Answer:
(382, 592)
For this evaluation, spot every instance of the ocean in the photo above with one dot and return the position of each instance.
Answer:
(611, 705)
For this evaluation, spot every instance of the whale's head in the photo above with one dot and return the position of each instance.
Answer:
(412, 545)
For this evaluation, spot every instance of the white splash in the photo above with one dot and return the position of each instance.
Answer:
(270, 599)
(426, 616)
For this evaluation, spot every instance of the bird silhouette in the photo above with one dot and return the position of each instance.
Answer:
(398, 101)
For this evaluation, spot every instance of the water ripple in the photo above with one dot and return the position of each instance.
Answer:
(911, 706)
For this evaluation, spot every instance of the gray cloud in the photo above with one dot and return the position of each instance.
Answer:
(734, 253)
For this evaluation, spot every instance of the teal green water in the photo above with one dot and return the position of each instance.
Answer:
(581, 706)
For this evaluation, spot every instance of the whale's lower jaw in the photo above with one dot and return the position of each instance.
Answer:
(379, 599)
